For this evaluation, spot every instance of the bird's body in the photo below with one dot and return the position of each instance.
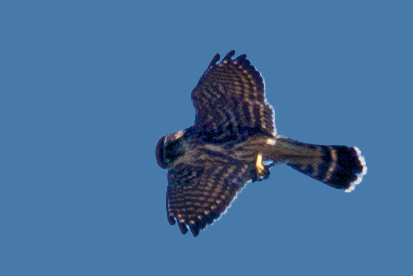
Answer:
(232, 142)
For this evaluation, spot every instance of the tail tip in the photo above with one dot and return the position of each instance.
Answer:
(359, 175)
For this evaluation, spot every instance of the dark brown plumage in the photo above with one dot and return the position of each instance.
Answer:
(232, 142)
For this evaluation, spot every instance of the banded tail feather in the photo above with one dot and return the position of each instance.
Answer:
(340, 167)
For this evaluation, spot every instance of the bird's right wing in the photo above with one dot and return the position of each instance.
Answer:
(230, 94)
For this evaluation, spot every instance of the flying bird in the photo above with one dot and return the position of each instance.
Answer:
(232, 142)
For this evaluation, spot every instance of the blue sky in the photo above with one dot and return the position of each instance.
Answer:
(87, 88)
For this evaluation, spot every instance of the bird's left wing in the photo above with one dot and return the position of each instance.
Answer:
(197, 196)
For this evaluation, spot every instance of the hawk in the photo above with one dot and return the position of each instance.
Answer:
(232, 142)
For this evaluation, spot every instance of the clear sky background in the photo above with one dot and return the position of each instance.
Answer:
(88, 87)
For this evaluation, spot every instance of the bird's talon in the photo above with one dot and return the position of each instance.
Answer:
(259, 165)
(260, 170)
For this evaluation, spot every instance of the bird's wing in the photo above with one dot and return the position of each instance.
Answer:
(197, 196)
(230, 94)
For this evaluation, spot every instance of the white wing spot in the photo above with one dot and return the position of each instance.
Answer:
(271, 142)
(179, 134)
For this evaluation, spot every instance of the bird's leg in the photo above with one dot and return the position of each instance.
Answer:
(261, 172)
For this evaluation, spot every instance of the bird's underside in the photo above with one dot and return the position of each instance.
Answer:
(232, 142)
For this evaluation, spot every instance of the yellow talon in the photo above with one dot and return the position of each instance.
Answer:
(260, 166)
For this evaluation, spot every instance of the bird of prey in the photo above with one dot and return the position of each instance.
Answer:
(232, 142)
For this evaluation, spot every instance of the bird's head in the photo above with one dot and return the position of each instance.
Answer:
(169, 148)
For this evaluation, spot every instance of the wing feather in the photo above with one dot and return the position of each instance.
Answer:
(198, 196)
(230, 94)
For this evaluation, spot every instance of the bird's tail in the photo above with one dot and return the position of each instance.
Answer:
(340, 167)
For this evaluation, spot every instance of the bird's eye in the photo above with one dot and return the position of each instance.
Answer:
(160, 153)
